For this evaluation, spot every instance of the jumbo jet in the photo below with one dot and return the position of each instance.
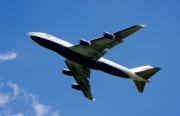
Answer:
(88, 55)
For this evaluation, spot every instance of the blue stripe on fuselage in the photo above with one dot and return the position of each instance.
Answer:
(78, 58)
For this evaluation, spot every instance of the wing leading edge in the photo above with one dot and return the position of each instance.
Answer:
(81, 75)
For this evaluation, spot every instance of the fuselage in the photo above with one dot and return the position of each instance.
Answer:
(62, 47)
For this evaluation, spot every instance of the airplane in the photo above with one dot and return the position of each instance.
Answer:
(87, 55)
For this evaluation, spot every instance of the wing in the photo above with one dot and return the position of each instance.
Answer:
(81, 75)
(97, 48)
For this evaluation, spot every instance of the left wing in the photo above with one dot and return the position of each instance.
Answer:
(95, 49)
(81, 75)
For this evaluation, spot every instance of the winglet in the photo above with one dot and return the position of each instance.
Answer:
(143, 25)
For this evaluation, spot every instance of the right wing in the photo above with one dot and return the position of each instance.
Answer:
(97, 48)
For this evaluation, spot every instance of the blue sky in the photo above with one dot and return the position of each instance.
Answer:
(31, 82)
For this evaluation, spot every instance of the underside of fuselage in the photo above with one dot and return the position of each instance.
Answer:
(66, 53)
(78, 58)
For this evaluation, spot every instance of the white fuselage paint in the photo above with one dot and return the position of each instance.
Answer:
(61, 42)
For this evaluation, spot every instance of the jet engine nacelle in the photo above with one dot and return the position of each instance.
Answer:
(75, 86)
(66, 72)
(84, 42)
(108, 35)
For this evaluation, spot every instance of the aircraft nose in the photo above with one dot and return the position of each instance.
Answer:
(34, 36)
(31, 34)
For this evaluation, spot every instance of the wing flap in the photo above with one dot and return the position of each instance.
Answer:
(89, 51)
(103, 43)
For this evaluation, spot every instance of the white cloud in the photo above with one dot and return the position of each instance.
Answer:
(4, 99)
(20, 114)
(15, 89)
(8, 56)
(56, 113)
(41, 110)
(17, 102)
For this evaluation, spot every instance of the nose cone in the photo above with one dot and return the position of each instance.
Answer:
(30, 34)
(34, 36)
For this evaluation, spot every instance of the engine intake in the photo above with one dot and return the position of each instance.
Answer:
(84, 42)
(66, 72)
(108, 35)
(75, 86)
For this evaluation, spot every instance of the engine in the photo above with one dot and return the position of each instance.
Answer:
(66, 72)
(84, 42)
(108, 35)
(75, 86)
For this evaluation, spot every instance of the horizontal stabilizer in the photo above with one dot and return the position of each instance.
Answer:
(140, 85)
(146, 74)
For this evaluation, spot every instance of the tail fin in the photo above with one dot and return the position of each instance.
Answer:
(145, 72)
